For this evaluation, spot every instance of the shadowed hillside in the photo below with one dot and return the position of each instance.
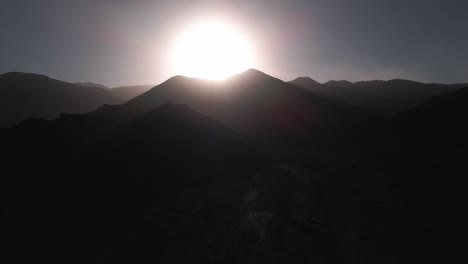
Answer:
(25, 95)
(129, 92)
(407, 196)
(170, 181)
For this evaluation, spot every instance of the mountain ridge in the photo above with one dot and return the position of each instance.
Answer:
(249, 101)
(92, 84)
(386, 97)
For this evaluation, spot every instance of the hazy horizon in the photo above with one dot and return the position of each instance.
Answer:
(121, 43)
(284, 80)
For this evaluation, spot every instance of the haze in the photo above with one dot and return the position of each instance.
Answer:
(126, 42)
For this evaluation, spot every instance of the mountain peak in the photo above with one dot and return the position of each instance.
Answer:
(251, 75)
(403, 81)
(254, 72)
(305, 81)
(180, 79)
(305, 78)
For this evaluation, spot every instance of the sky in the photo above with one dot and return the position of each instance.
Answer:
(125, 42)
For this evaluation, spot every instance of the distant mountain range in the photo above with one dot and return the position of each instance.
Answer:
(386, 97)
(32, 96)
(26, 95)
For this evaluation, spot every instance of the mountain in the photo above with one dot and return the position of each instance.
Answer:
(124, 93)
(413, 185)
(308, 82)
(129, 92)
(151, 179)
(252, 103)
(25, 95)
(169, 185)
(342, 84)
(386, 97)
(248, 170)
(91, 84)
(442, 114)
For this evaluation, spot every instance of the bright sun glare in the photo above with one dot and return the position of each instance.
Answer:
(211, 50)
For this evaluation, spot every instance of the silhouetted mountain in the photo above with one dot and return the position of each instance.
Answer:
(25, 95)
(388, 97)
(408, 194)
(342, 84)
(170, 181)
(441, 114)
(91, 84)
(129, 92)
(308, 82)
(249, 170)
(252, 103)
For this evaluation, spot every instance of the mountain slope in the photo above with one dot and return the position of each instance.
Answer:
(252, 103)
(171, 184)
(129, 92)
(440, 114)
(408, 195)
(91, 84)
(24, 95)
(308, 82)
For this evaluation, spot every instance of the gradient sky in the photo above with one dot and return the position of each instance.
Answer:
(124, 42)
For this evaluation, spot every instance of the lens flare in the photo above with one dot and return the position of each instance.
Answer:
(211, 50)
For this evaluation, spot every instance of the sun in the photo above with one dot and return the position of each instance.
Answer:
(211, 50)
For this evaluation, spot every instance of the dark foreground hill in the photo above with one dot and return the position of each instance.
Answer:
(24, 95)
(169, 186)
(407, 197)
(386, 97)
